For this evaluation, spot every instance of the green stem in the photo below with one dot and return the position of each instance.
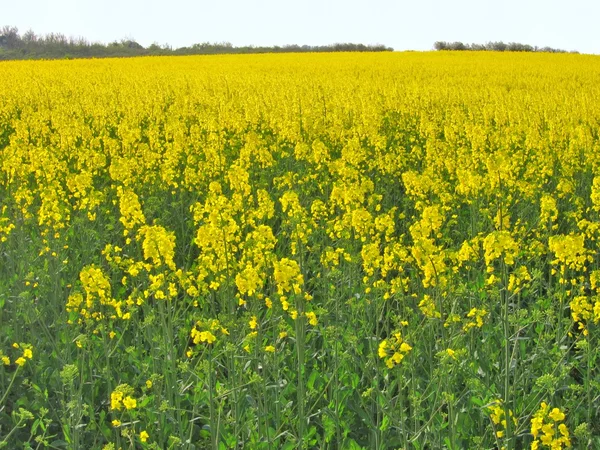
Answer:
(10, 385)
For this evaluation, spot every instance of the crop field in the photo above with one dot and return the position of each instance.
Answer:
(316, 251)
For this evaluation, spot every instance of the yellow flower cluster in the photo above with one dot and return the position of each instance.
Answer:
(27, 353)
(5, 225)
(428, 307)
(204, 332)
(287, 276)
(546, 429)
(498, 417)
(393, 349)
(122, 397)
(131, 210)
(158, 245)
(500, 244)
(97, 303)
(474, 318)
(583, 310)
(570, 251)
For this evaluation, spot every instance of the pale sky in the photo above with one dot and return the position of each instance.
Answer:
(401, 24)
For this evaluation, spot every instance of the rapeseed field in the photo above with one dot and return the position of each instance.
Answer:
(301, 251)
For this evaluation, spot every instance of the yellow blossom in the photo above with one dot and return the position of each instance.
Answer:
(129, 402)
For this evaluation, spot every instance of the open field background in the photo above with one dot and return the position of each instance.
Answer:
(334, 251)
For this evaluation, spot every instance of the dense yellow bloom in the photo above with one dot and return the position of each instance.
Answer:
(547, 431)
(500, 244)
(288, 276)
(248, 280)
(569, 250)
(129, 402)
(393, 349)
(158, 245)
(273, 188)
(115, 400)
(131, 210)
(122, 397)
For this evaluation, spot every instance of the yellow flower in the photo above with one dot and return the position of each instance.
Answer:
(382, 351)
(269, 349)
(115, 400)
(27, 353)
(253, 323)
(283, 334)
(116, 423)
(207, 336)
(148, 384)
(129, 402)
(563, 430)
(20, 361)
(6, 360)
(202, 336)
(312, 318)
(144, 436)
(404, 347)
(394, 346)
(556, 415)
(112, 334)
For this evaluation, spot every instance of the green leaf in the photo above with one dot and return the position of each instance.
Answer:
(311, 379)
(385, 423)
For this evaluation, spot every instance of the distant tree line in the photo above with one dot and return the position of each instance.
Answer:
(58, 46)
(496, 47)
